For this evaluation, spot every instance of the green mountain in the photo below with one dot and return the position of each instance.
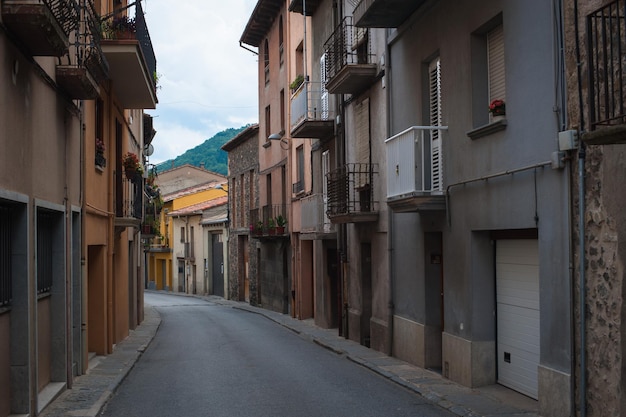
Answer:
(210, 153)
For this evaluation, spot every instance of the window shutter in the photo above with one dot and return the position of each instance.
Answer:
(495, 56)
(362, 123)
(434, 78)
(323, 92)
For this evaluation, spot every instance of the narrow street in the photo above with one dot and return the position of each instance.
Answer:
(214, 360)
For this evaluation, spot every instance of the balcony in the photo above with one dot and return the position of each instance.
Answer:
(349, 61)
(315, 223)
(132, 63)
(298, 6)
(310, 115)
(607, 75)
(267, 224)
(129, 201)
(414, 170)
(384, 13)
(42, 26)
(351, 194)
(86, 67)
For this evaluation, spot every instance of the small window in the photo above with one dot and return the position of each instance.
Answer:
(182, 234)
(282, 110)
(268, 120)
(266, 60)
(281, 49)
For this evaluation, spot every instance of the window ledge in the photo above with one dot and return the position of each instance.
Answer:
(99, 169)
(487, 129)
(267, 144)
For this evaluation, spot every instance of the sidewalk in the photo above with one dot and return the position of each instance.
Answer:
(91, 391)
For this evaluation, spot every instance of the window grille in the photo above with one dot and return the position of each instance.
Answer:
(5, 256)
(45, 241)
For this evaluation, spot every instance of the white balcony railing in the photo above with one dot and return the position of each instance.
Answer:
(314, 218)
(415, 161)
(309, 103)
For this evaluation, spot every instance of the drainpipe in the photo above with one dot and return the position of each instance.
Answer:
(83, 254)
(581, 225)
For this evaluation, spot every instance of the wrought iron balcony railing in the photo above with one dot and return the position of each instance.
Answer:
(351, 193)
(606, 33)
(268, 221)
(43, 26)
(349, 62)
(129, 201)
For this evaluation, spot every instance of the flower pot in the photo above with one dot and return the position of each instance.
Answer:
(130, 173)
(497, 117)
(280, 230)
(271, 231)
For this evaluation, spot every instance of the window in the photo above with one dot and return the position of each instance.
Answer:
(45, 243)
(362, 122)
(281, 50)
(282, 110)
(299, 185)
(268, 127)
(495, 64)
(6, 285)
(488, 73)
(182, 235)
(266, 60)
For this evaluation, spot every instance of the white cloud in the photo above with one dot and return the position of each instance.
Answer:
(208, 83)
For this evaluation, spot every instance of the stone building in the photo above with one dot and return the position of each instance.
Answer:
(243, 197)
(594, 43)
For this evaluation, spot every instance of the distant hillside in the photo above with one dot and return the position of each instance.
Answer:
(209, 152)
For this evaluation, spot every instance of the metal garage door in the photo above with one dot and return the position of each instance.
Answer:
(517, 303)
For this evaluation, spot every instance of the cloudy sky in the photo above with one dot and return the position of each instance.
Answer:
(208, 82)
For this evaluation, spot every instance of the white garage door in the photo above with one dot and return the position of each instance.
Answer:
(517, 303)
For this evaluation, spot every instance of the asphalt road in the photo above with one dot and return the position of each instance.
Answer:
(214, 360)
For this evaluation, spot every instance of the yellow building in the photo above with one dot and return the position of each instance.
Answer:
(182, 210)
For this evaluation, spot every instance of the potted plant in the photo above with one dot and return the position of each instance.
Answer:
(281, 221)
(131, 165)
(271, 226)
(297, 82)
(100, 149)
(124, 27)
(497, 108)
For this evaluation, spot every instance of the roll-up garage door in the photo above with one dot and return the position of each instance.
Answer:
(517, 303)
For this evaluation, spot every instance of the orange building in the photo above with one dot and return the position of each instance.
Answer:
(80, 74)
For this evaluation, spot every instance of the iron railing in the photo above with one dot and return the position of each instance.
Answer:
(351, 189)
(606, 41)
(140, 33)
(260, 218)
(131, 203)
(66, 13)
(347, 45)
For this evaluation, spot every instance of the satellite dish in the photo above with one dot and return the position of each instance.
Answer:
(149, 150)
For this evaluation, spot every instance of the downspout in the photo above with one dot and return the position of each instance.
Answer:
(83, 255)
(390, 249)
(69, 351)
(581, 225)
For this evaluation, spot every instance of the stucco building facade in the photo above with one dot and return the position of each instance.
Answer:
(71, 107)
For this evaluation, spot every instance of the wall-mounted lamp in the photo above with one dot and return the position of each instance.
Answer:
(279, 136)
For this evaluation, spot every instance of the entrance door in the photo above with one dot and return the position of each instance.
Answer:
(434, 321)
(218, 264)
(181, 276)
(517, 303)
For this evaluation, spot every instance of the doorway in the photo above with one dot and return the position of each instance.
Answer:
(366, 291)
(434, 320)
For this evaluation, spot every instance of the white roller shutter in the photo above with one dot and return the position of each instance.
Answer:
(518, 315)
